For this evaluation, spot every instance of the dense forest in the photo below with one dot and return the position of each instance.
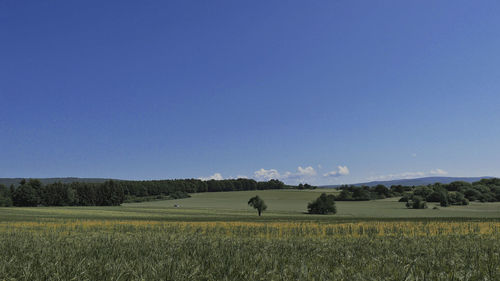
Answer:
(455, 193)
(112, 193)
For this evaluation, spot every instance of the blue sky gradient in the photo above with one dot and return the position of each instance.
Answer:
(324, 92)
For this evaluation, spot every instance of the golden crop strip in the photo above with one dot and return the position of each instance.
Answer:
(261, 229)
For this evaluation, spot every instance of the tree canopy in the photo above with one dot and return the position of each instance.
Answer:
(258, 204)
(324, 204)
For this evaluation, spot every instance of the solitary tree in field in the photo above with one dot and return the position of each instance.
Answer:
(324, 204)
(258, 204)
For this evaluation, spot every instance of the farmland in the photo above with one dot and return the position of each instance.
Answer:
(216, 236)
(232, 206)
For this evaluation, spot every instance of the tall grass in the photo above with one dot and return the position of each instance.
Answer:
(139, 250)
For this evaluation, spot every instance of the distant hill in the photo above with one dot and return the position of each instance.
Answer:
(15, 181)
(417, 181)
(407, 182)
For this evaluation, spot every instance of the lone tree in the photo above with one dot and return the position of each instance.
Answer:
(258, 204)
(324, 204)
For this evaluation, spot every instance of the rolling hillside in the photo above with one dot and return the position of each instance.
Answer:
(417, 181)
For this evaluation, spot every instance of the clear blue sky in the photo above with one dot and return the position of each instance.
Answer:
(319, 91)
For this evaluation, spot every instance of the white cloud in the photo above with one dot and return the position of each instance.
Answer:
(307, 171)
(264, 174)
(216, 176)
(303, 174)
(341, 171)
(331, 174)
(414, 155)
(300, 175)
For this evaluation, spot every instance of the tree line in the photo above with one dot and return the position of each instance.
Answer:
(455, 193)
(32, 192)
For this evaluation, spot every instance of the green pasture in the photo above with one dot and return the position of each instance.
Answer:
(283, 205)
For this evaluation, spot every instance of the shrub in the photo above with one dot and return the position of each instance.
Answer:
(416, 202)
(324, 204)
(406, 197)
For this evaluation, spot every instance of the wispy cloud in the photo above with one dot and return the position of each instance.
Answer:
(340, 171)
(438, 172)
(302, 174)
(409, 175)
(216, 176)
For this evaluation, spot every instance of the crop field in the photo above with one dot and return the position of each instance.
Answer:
(216, 236)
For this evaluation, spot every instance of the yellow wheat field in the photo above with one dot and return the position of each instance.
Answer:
(261, 229)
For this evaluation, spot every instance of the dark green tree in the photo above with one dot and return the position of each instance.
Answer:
(345, 195)
(257, 203)
(25, 196)
(361, 194)
(472, 194)
(397, 189)
(457, 198)
(381, 191)
(423, 191)
(458, 186)
(58, 194)
(110, 193)
(416, 202)
(443, 198)
(5, 197)
(324, 204)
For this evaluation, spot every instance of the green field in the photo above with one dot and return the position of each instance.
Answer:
(217, 236)
(232, 206)
(294, 202)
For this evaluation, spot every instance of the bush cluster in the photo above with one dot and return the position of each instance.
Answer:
(324, 204)
(455, 193)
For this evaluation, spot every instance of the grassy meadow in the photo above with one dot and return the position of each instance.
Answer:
(216, 236)
(283, 205)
